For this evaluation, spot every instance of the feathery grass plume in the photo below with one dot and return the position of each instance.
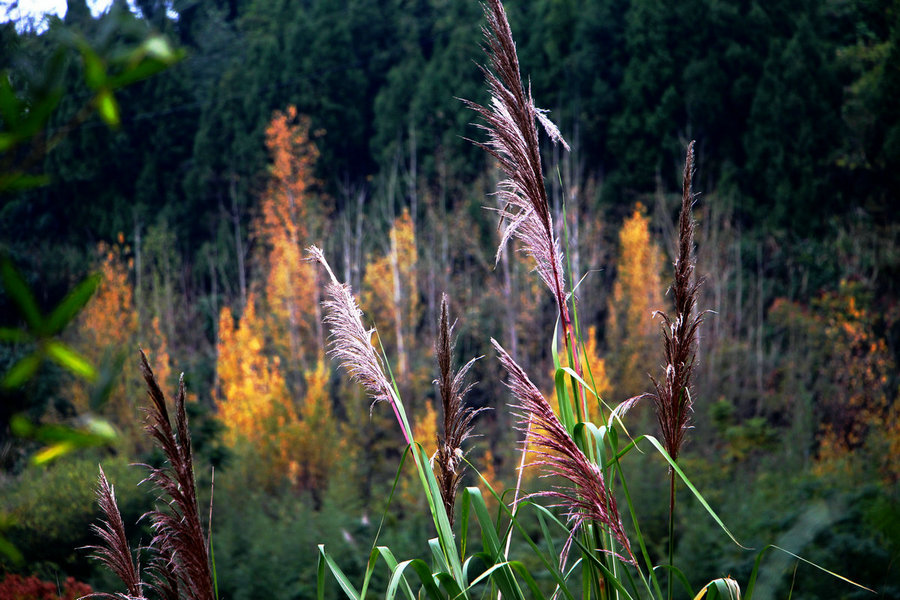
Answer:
(673, 394)
(513, 141)
(181, 562)
(114, 551)
(457, 417)
(588, 499)
(350, 342)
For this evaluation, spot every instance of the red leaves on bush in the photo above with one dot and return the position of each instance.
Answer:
(17, 587)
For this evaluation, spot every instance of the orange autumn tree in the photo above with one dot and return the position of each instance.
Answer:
(632, 333)
(390, 295)
(107, 329)
(291, 291)
(273, 394)
(839, 388)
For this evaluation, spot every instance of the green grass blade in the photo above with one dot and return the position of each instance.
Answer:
(420, 567)
(519, 568)
(693, 489)
(566, 416)
(505, 579)
(392, 563)
(753, 576)
(552, 568)
(325, 560)
(679, 576)
(608, 575)
(212, 559)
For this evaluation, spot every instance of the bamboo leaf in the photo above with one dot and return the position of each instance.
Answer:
(13, 336)
(22, 371)
(52, 452)
(8, 548)
(20, 293)
(68, 358)
(108, 107)
(72, 304)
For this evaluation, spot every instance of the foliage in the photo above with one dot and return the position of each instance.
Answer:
(254, 405)
(52, 507)
(288, 208)
(631, 335)
(16, 587)
(106, 328)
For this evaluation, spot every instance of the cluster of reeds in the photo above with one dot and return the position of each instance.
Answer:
(582, 455)
(179, 553)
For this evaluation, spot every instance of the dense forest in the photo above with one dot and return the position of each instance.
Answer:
(340, 124)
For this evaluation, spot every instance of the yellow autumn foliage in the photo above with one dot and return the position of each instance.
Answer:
(425, 433)
(319, 443)
(632, 334)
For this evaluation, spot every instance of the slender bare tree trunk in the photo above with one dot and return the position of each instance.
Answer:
(238, 240)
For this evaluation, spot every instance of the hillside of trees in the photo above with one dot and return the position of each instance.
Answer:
(340, 124)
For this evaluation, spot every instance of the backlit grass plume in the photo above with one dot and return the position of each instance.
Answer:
(513, 140)
(587, 499)
(114, 551)
(181, 561)
(351, 343)
(458, 418)
(673, 393)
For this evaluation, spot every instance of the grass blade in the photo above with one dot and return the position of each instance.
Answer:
(752, 583)
(325, 560)
(693, 489)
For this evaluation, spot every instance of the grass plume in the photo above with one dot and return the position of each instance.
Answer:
(587, 499)
(457, 425)
(673, 393)
(181, 562)
(114, 551)
(510, 124)
(351, 343)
